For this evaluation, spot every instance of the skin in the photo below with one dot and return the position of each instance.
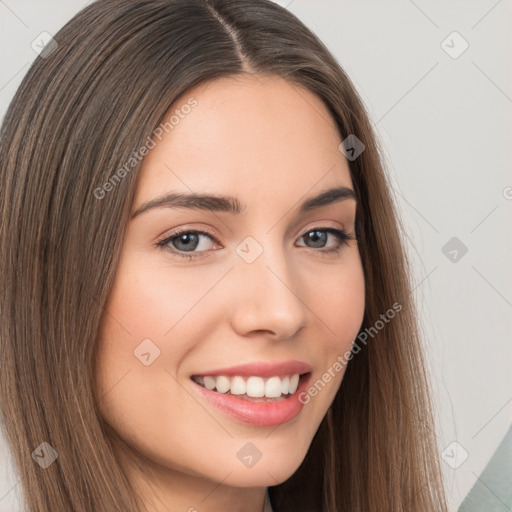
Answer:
(271, 144)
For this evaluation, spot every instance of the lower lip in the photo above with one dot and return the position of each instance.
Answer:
(259, 414)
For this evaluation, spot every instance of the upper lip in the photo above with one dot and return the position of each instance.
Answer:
(262, 369)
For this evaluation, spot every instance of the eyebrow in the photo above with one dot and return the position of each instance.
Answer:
(230, 204)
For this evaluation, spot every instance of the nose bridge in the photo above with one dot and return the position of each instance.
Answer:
(267, 297)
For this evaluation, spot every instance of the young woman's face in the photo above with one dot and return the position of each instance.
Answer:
(258, 288)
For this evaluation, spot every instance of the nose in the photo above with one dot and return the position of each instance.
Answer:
(267, 297)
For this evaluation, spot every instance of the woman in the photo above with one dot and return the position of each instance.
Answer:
(206, 302)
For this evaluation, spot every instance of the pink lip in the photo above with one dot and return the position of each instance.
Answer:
(262, 369)
(260, 414)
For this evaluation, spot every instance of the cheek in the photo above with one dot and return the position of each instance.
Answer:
(340, 303)
(154, 317)
(154, 301)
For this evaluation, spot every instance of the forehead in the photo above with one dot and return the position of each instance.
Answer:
(246, 136)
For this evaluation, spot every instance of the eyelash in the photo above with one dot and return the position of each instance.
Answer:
(342, 236)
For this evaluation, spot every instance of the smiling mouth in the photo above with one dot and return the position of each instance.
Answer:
(252, 388)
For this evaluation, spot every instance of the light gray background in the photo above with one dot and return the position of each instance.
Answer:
(446, 124)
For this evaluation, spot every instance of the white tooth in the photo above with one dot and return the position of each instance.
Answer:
(209, 382)
(273, 387)
(238, 386)
(285, 384)
(294, 382)
(255, 387)
(222, 384)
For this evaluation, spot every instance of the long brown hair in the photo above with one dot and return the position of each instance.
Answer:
(81, 111)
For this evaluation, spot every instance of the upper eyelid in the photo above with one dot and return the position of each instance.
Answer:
(176, 232)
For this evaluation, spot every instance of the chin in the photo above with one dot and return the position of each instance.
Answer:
(275, 466)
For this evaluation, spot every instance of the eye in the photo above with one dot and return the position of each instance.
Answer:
(183, 241)
(186, 240)
(319, 236)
